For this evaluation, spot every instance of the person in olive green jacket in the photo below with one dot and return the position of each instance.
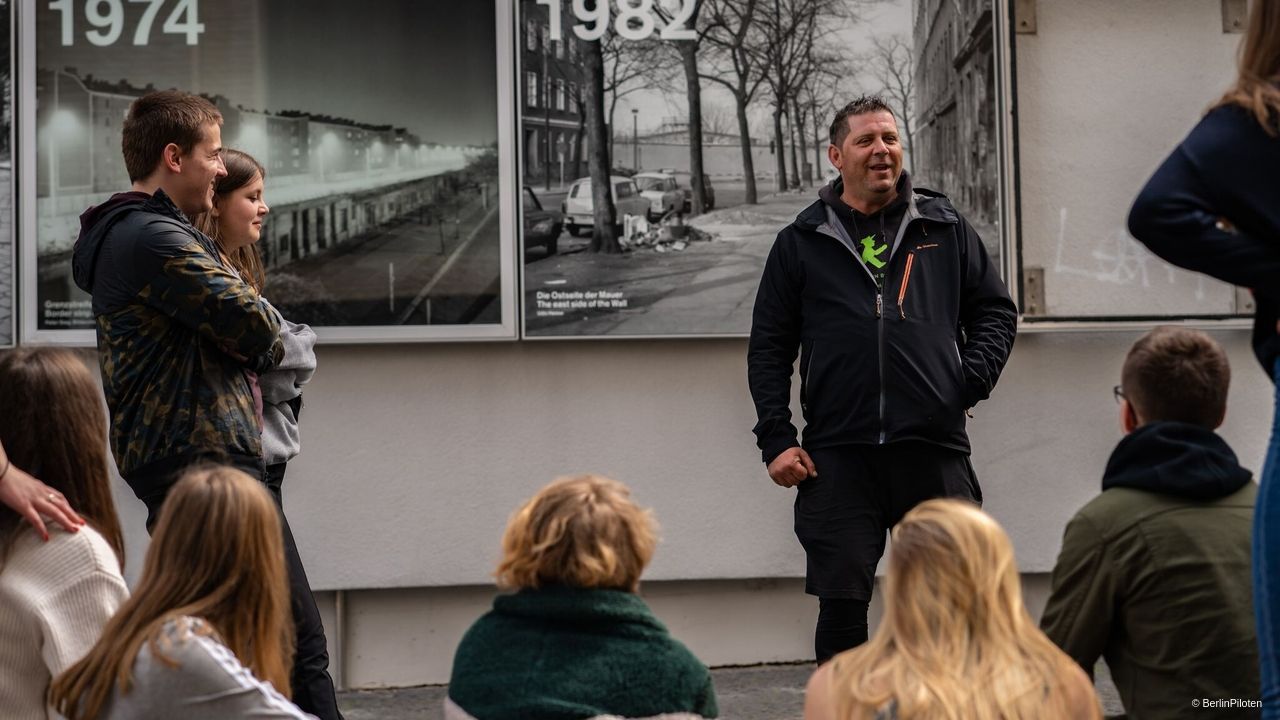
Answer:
(1154, 573)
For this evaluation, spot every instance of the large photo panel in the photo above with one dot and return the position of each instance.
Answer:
(384, 128)
(748, 89)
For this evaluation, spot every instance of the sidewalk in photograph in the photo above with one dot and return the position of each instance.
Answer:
(708, 287)
(761, 692)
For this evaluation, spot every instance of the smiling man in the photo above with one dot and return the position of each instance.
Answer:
(902, 324)
(176, 328)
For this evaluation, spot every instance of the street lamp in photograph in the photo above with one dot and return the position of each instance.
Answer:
(635, 140)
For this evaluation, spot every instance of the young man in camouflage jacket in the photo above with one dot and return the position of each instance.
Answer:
(175, 327)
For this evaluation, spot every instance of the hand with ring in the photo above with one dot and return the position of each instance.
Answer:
(34, 500)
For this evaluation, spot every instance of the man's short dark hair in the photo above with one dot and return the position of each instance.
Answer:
(159, 118)
(1177, 374)
(861, 106)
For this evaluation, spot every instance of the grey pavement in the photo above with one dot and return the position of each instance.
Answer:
(758, 692)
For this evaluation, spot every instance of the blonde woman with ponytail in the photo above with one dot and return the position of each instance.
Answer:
(207, 633)
(956, 642)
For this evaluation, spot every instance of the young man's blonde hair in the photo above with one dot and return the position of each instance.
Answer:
(582, 531)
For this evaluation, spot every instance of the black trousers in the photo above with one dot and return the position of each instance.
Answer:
(843, 515)
(312, 687)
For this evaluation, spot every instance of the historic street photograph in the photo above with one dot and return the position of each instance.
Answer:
(708, 121)
(380, 146)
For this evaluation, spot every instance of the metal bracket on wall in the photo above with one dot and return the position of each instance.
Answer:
(1024, 17)
(1235, 15)
(1244, 302)
(1033, 292)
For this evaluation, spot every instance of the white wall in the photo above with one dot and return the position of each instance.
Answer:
(1106, 89)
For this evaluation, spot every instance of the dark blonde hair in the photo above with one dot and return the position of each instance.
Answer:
(956, 640)
(159, 118)
(1177, 374)
(54, 427)
(217, 554)
(1257, 87)
(581, 531)
(242, 168)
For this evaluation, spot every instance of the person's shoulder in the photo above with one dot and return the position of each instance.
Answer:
(1078, 692)
(1227, 129)
(934, 204)
(67, 555)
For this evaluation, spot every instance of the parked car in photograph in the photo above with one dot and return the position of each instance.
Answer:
(577, 205)
(541, 227)
(684, 179)
(660, 189)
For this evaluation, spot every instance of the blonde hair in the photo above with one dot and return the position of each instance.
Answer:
(217, 554)
(1257, 87)
(956, 641)
(582, 531)
(242, 169)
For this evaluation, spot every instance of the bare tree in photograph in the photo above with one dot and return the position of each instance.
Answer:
(688, 50)
(603, 236)
(731, 31)
(894, 68)
(630, 65)
(790, 28)
(827, 87)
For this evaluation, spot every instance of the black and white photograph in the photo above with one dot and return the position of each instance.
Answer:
(382, 128)
(709, 121)
(7, 270)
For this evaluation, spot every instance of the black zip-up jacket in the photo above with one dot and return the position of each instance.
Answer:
(877, 367)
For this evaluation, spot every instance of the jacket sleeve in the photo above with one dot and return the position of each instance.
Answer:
(772, 349)
(1079, 614)
(1175, 218)
(196, 290)
(988, 317)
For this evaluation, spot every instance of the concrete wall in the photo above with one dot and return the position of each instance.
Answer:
(415, 455)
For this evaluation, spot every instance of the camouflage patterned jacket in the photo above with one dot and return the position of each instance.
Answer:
(169, 315)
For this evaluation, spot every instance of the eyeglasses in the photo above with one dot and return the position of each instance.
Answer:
(1118, 392)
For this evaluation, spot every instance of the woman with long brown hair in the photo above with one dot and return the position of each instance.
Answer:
(55, 596)
(208, 629)
(956, 642)
(1214, 207)
(235, 223)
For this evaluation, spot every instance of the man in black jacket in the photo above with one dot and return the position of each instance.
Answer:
(902, 324)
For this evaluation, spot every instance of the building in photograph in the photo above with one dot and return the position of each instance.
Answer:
(553, 130)
(955, 134)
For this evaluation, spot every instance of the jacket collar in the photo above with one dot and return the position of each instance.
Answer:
(924, 204)
(559, 602)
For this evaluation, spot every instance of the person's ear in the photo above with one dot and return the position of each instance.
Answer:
(833, 156)
(1128, 417)
(171, 158)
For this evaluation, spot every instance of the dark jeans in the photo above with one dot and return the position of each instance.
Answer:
(1266, 559)
(842, 517)
(312, 687)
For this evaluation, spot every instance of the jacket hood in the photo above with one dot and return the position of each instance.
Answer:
(921, 203)
(94, 224)
(1175, 459)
